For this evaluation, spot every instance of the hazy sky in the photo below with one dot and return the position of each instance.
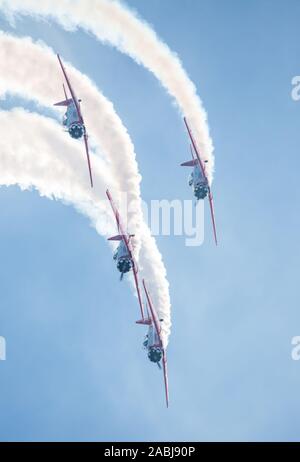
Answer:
(75, 367)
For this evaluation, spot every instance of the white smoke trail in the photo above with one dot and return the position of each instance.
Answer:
(35, 153)
(31, 70)
(112, 22)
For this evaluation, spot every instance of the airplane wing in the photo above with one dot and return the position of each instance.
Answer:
(212, 213)
(118, 219)
(195, 149)
(65, 91)
(210, 197)
(66, 101)
(158, 330)
(165, 370)
(85, 137)
(124, 236)
(75, 100)
(153, 313)
(136, 280)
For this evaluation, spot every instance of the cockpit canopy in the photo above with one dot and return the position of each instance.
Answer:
(146, 341)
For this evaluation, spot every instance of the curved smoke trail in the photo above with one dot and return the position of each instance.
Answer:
(112, 22)
(31, 70)
(35, 153)
(25, 68)
(53, 164)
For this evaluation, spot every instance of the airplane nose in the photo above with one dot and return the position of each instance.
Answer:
(76, 131)
(155, 354)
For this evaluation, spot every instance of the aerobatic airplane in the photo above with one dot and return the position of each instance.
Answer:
(153, 341)
(126, 262)
(198, 178)
(73, 120)
(123, 254)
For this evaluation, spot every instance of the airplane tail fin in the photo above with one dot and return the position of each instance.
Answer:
(189, 163)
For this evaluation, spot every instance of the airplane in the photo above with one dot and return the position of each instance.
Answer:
(73, 120)
(153, 340)
(125, 263)
(123, 254)
(198, 179)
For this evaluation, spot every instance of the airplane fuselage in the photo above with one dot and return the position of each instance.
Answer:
(124, 262)
(152, 344)
(71, 121)
(199, 183)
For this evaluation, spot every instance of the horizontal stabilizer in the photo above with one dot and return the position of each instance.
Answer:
(146, 322)
(119, 237)
(65, 102)
(190, 163)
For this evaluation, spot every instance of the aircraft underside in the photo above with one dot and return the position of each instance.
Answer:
(155, 354)
(124, 265)
(200, 191)
(76, 130)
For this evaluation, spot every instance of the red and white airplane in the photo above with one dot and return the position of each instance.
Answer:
(125, 262)
(73, 120)
(123, 255)
(198, 178)
(153, 341)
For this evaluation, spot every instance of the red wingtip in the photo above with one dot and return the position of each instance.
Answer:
(212, 213)
(88, 158)
(166, 381)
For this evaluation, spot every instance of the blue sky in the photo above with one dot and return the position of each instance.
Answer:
(75, 369)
